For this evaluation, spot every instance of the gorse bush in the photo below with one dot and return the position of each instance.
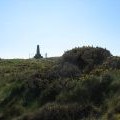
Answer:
(14, 111)
(64, 70)
(83, 84)
(69, 70)
(50, 93)
(62, 112)
(86, 57)
(112, 62)
(14, 94)
(90, 90)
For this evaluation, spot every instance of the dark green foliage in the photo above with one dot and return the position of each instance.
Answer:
(83, 84)
(64, 70)
(15, 93)
(34, 87)
(91, 90)
(112, 62)
(86, 57)
(62, 112)
(69, 70)
(13, 111)
(50, 93)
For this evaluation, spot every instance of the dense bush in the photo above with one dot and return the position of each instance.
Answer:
(69, 70)
(62, 112)
(50, 93)
(14, 94)
(64, 70)
(13, 111)
(90, 90)
(55, 89)
(113, 108)
(86, 57)
(112, 62)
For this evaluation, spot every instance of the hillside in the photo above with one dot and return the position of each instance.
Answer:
(83, 84)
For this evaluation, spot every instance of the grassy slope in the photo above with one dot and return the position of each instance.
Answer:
(15, 91)
(14, 73)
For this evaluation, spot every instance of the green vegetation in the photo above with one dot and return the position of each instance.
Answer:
(83, 84)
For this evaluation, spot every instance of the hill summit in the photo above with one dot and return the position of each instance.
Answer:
(82, 84)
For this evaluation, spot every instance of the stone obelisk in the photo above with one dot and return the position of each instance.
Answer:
(38, 55)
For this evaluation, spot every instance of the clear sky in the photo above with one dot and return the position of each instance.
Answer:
(57, 26)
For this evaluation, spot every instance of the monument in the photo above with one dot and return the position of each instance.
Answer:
(38, 55)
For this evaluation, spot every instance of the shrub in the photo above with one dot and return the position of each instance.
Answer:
(90, 90)
(13, 111)
(50, 93)
(86, 57)
(113, 104)
(64, 70)
(69, 70)
(112, 62)
(15, 92)
(62, 112)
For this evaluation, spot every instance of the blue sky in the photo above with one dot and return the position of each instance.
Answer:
(57, 26)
